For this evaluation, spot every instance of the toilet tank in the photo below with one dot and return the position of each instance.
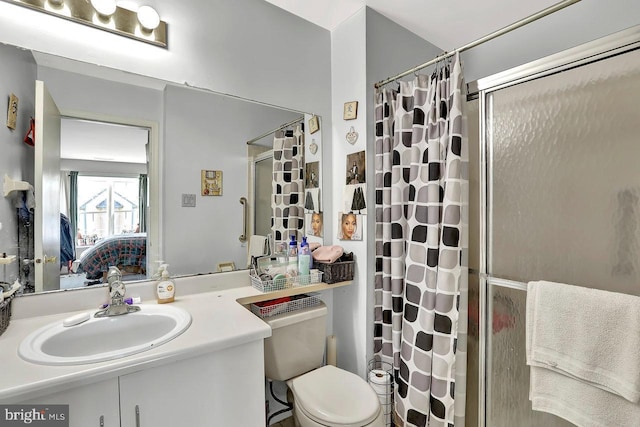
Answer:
(297, 342)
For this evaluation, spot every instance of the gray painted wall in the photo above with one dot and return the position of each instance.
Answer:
(17, 76)
(577, 24)
(247, 48)
(206, 131)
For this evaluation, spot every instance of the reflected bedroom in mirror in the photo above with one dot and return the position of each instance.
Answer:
(105, 168)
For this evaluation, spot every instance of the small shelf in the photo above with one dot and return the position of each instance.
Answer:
(7, 260)
(292, 291)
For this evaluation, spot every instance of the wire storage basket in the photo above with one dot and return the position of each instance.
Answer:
(265, 309)
(279, 283)
(380, 378)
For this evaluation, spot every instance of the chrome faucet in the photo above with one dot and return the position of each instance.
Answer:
(117, 290)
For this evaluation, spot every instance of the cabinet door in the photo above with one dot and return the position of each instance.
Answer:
(93, 405)
(225, 388)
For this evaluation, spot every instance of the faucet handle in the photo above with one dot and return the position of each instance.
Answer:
(113, 274)
(117, 290)
(116, 286)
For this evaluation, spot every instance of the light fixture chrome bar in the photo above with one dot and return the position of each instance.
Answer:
(286, 125)
(521, 23)
(123, 22)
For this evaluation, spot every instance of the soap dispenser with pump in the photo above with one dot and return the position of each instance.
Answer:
(166, 289)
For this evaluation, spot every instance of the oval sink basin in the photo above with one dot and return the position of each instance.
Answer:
(105, 338)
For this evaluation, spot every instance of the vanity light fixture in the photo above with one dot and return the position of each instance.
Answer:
(105, 8)
(144, 25)
(148, 18)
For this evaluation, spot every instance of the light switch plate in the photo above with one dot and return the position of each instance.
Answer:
(188, 200)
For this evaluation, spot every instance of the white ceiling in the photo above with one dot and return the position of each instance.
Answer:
(448, 24)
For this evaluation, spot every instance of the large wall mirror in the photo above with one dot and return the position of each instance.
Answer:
(146, 171)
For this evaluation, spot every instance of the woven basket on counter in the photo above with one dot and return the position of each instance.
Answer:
(338, 271)
(5, 311)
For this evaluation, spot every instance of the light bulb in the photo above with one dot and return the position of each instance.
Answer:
(148, 18)
(104, 8)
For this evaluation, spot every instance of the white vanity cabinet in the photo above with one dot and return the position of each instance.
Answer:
(223, 388)
(93, 405)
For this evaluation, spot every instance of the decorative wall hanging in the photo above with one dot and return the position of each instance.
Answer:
(314, 124)
(211, 183)
(354, 199)
(312, 200)
(350, 110)
(356, 168)
(313, 147)
(352, 136)
(350, 226)
(312, 175)
(313, 222)
(358, 202)
(12, 113)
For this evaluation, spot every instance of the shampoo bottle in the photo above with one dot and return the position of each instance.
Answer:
(293, 257)
(166, 288)
(304, 258)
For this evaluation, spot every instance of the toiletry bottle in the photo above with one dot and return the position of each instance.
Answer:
(166, 289)
(293, 257)
(304, 258)
(282, 255)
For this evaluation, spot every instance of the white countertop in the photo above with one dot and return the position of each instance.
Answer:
(218, 322)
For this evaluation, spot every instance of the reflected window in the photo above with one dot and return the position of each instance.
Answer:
(107, 206)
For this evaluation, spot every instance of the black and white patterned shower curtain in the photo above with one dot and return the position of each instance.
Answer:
(287, 201)
(421, 245)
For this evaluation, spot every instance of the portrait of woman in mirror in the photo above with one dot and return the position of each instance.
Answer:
(314, 224)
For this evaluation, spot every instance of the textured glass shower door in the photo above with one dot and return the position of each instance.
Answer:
(563, 205)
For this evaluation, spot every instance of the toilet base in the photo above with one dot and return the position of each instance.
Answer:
(301, 420)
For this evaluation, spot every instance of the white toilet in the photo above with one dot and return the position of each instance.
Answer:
(324, 396)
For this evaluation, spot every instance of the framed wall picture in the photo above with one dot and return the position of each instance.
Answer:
(211, 183)
(350, 110)
(314, 124)
(356, 173)
(350, 226)
(12, 112)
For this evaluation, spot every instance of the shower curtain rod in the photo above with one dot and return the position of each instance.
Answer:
(545, 12)
(286, 125)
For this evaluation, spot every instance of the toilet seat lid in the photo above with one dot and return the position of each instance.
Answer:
(332, 396)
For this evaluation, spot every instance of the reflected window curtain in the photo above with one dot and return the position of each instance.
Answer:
(142, 202)
(421, 245)
(73, 203)
(287, 201)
